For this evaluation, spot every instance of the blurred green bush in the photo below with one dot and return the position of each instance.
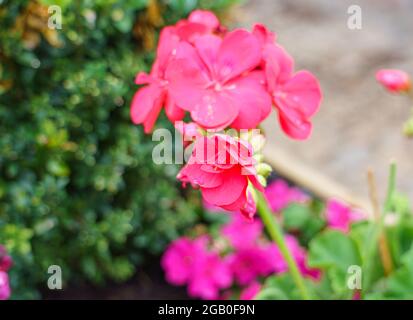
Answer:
(78, 187)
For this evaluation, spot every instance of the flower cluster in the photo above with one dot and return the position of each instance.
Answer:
(224, 80)
(339, 216)
(5, 264)
(209, 266)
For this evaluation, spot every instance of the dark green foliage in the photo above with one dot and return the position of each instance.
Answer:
(78, 187)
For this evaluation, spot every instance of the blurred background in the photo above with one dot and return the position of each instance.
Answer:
(359, 125)
(77, 187)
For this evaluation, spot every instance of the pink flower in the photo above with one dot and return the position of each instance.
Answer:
(251, 262)
(251, 291)
(149, 100)
(395, 81)
(221, 167)
(297, 96)
(340, 216)
(279, 195)
(5, 260)
(200, 22)
(4, 286)
(179, 258)
(242, 233)
(213, 81)
(300, 256)
(210, 274)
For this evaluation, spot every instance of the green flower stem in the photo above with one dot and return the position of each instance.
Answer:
(275, 232)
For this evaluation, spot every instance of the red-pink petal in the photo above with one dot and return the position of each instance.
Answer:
(213, 110)
(254, 102)
(173, 112)
(239, 52)
(229, 191)
(278, 65)
(207, 47)
(146, 105)
(207, 18)
(302, 92)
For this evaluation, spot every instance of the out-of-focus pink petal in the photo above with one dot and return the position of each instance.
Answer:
(186, 84)
(394, 80)
(214, 110)
(254, 102)
(278, 65)
(5, 291)
(194, 174)
(302, 92)
(208, 46)
(237, 204)
(239, 52)
(229, 191)
(294, 125)
(143, 78)
(263, 34)
(168, 42)
(173, 112)
(297, 100)
(146, 106)
(251, 291)
(205, 17)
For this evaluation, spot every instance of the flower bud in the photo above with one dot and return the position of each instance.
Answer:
(393, 80)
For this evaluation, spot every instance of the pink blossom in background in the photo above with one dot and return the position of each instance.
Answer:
(249, 293)
(297, 96)
(299, 254)
(179, 258)
(4, 286)
(213, 80)
(211, 273)
(339, 216)
(5, 260)
(393, 80)
(242, 233)
(251, 262)
(222, 167)
(279, 195)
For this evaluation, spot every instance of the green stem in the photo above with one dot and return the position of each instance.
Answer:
(391, 187)
(276, 235)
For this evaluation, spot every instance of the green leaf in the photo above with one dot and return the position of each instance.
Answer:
(296, 216)
(334, 252)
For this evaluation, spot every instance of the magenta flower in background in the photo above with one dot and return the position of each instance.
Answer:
(249, 292)
(179, 258)
(251, 262)
(242, 233)
(393, 80)
(339, 216)
(4, 286)
(5, 264)
(279, 195)
(211, 273)
(5, 260)
(299, 254)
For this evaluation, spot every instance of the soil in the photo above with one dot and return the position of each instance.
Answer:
(359, 124)
(147, 284)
